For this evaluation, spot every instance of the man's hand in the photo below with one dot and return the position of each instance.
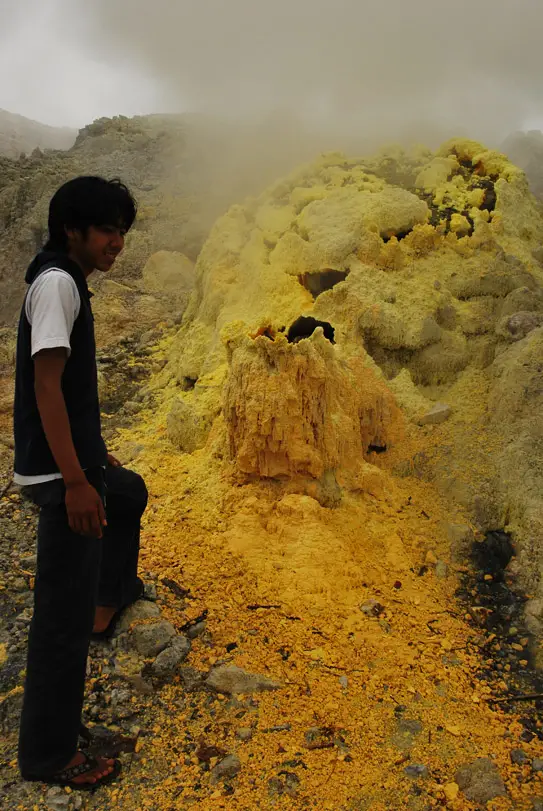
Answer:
(86, 514)
(111, 460)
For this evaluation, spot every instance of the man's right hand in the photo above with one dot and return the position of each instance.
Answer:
(86, 514)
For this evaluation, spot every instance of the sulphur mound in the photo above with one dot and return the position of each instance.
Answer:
(353, 391)
(423, 266)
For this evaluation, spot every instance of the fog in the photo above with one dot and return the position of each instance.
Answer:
(386, 69)
(383, 68)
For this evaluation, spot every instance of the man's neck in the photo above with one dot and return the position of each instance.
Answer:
(86, 270)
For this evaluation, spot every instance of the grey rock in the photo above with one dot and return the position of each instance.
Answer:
(411, 726)
(56, 799)
(441, 569)
(140, 610)
(407, 730)
(140, 685)
(244, 733)
(10, 712)
(386, 626)
(229, 767)
(417, 770)
(196, 630)
(192, 679)
(344, 682)
(313, 734)
(534, 616)
(24, 617)
(480, 781)
(517, 326)
(233, 680)
(537, 764)
(150, 592)
(437, 414)
(119, 696)
(371, 608)
(29, 562)
(519, 757)
(537, 804)
(131, 407)
(275, 787)
(169, 659)
(287, 784)
(150, 640)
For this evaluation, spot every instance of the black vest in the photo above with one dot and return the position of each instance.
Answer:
(79, 384)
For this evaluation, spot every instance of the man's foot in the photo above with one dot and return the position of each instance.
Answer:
(102, 618)
(97, 769)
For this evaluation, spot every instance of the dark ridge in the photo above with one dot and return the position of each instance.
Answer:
(317, 283)
(305, 325)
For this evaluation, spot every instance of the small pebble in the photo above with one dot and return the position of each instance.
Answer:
(417, 770)
(441, 570)
(244, 733)
(196, 630)
(150, 592)
(519, 757)
(229, 767)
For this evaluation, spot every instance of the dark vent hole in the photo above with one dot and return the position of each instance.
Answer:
(305, 325)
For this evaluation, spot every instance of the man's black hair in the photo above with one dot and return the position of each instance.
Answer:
(87, 201)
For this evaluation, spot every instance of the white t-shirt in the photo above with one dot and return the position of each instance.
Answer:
(52, 305)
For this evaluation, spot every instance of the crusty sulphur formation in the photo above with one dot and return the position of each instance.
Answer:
(295, 412)
(424, 267)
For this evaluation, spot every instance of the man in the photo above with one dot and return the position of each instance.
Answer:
(90, 507)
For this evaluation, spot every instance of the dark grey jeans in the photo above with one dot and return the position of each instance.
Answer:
(74, 574)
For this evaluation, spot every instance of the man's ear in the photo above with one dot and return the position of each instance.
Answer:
(73, 234)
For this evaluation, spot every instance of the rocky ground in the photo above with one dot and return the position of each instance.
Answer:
(201, 731)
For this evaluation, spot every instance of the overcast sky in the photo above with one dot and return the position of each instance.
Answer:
(377, 65)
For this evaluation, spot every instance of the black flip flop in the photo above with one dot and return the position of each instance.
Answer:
(67, 776)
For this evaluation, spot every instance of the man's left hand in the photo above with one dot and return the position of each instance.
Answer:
(111, 460)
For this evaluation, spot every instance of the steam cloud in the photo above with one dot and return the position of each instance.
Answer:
(385, 68)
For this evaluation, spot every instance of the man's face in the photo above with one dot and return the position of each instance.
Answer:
(98, 248)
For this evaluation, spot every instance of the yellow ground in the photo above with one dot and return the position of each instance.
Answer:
(239, 547)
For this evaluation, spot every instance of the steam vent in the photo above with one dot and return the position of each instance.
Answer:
(343, 439)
